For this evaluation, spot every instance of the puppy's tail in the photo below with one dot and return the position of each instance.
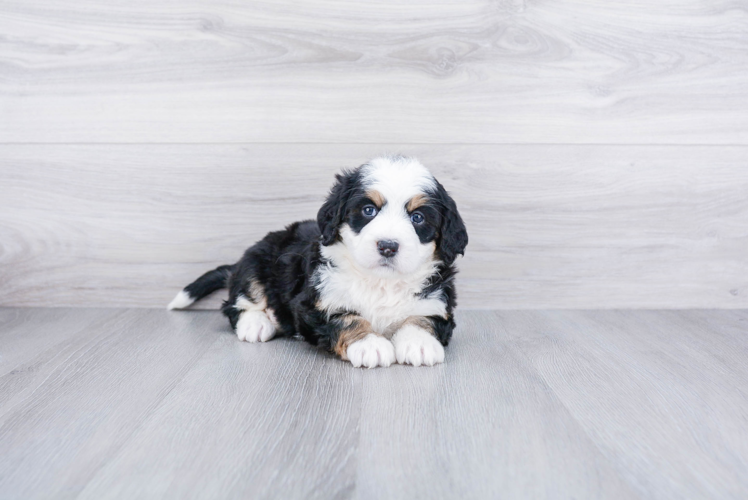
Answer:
(202, 287)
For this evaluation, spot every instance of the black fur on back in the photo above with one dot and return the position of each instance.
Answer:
(283, 261)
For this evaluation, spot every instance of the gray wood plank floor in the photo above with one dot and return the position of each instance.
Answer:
(137, 403)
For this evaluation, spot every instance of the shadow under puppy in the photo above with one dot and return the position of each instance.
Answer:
(371, 280)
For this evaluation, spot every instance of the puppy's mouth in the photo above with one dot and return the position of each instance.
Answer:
(387, 265)
(387, 262)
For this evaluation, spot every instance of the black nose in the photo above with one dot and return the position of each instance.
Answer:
(387, 248)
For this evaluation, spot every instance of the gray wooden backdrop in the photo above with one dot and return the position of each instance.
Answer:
(597, 150)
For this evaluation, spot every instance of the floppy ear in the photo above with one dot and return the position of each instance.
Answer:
(453, 237)
(331, 214)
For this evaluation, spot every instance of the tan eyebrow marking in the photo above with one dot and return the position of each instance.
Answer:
(417, 201)
(376, 197)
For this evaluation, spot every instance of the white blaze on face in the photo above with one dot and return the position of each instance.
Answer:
(398, 180)
(383, 291)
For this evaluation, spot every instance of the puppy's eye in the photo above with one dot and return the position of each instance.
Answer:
(417, 218)
(369, 210)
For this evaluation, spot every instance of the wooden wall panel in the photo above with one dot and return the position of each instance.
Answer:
(474, 71)
(550, 226)
(597, 150)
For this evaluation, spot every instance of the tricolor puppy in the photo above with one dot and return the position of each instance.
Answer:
(371, 280)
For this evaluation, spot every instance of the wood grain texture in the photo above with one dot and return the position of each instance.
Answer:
(24, 330)
(66, 411)
(529, 404)
(550, 226)
(481, 426)
(283, 423)
(474, 71)
(657, 392)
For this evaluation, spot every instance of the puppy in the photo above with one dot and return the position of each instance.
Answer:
(371, 280)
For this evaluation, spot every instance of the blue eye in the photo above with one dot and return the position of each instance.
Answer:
(369, 210)
(417, 217)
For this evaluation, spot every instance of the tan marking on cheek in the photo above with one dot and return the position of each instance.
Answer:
(376, 197)
(417, 201)
(354, 328)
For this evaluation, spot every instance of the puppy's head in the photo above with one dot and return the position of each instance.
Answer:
(390, 217)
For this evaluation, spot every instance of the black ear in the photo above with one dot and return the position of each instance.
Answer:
(453, 237)
(332, 212)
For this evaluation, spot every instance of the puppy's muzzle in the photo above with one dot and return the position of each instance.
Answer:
(387, 248)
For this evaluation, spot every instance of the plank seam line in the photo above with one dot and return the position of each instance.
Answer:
(148, 414)
(382, 143)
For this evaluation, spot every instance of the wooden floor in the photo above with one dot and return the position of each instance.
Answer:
(138, 403)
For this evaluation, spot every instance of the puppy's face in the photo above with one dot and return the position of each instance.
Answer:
(392, 218)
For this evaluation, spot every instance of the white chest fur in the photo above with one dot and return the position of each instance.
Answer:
(383, 302)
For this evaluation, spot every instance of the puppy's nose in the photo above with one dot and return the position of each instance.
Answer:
(387, 248)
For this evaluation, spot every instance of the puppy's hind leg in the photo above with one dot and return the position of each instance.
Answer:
(254, 322)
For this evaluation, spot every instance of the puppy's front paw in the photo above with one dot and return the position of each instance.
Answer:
(371, 351)
(417, 347)
(254, 326)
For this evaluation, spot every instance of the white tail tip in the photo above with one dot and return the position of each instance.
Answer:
(181, 301)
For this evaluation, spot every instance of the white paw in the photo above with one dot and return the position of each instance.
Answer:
(371, 351)
(417, 347)
(254, 326)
